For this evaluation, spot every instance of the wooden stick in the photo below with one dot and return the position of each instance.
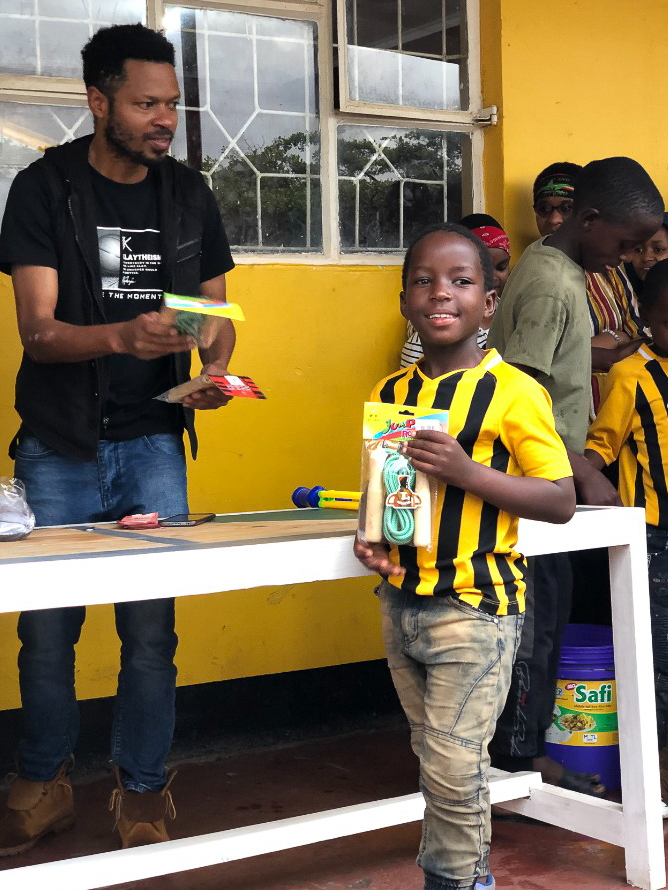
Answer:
(375, 497)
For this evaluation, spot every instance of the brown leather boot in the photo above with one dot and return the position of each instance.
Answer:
(35, 809)
(140, 815)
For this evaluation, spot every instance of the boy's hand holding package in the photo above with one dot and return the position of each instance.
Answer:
(441, 456)
(376, 558)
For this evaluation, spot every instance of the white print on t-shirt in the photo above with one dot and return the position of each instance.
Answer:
(129, 263)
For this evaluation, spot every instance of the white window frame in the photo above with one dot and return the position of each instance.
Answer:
(41, 90)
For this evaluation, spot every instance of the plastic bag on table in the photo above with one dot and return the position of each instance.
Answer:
(398, 504)
(16, 518)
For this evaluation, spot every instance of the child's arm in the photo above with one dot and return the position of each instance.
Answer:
(613, 423)
(441, 456)
(594, 459)
(592, 486)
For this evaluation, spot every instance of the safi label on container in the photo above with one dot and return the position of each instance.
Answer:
(585, 714)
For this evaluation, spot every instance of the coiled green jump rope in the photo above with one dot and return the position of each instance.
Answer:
(398, 522)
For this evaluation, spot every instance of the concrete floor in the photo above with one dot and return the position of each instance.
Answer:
(265, 785)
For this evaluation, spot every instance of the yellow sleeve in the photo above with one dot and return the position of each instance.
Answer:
(528, 431)
(612, 425)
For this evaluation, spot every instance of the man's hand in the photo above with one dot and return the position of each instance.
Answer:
(375, 557)
(146, 337)
(439, 455)
(211, 397)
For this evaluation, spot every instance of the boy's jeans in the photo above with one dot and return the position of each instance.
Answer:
(451, 667)
(135, 476)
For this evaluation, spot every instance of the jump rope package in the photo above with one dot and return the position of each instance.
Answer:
(398, 503)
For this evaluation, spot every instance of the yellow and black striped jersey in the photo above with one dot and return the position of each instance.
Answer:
(632, 424)
(502, 418)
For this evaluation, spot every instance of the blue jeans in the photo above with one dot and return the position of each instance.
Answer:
(135, 476)
(451, 667)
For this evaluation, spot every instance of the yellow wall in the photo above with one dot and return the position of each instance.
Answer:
(575, 80)
(316, 340)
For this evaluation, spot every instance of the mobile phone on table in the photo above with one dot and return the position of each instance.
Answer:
(180, 519)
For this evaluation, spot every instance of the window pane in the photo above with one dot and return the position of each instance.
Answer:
(407, 52)
(45, 36)
(26, 130)
(250, 123)
(393, 182)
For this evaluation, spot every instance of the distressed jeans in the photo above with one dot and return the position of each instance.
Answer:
(135, 476)
(451, 666)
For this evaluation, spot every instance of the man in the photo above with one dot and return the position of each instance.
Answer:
(92, 234)
(542, 327)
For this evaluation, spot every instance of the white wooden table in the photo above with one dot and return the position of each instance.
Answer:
(198, 561)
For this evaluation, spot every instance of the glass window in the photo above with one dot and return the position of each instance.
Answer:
(251, 106)
(407, 53)
(393, 182)
(45, 37)
(26, 130)
(250, 123)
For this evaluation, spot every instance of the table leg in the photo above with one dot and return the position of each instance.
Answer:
(643, 828)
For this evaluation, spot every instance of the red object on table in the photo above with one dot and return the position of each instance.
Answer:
(139, 520)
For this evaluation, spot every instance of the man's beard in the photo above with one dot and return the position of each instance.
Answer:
(119, 140)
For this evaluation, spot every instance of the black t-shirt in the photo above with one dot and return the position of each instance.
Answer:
(128, 237)
(129, 243)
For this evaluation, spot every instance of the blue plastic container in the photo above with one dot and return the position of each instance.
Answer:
(584, 735)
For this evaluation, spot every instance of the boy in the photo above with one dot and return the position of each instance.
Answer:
(543, 328)
(553, 191)
(452, 612)
(632, 424)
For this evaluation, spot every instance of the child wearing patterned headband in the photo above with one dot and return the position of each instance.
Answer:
(553, 195)
(498, 245)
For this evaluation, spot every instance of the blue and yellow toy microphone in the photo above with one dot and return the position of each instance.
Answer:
(326, 497)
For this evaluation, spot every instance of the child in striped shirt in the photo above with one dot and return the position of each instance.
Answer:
(452, 612)
(632, 424)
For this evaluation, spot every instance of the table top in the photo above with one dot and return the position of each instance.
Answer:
(107, 538)
(90, 564)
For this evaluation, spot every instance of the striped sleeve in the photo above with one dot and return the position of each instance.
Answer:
(612, 425)
(412, 351)
(529, 433)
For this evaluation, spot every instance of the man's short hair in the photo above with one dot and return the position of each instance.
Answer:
(619, 188)
(105, 54)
